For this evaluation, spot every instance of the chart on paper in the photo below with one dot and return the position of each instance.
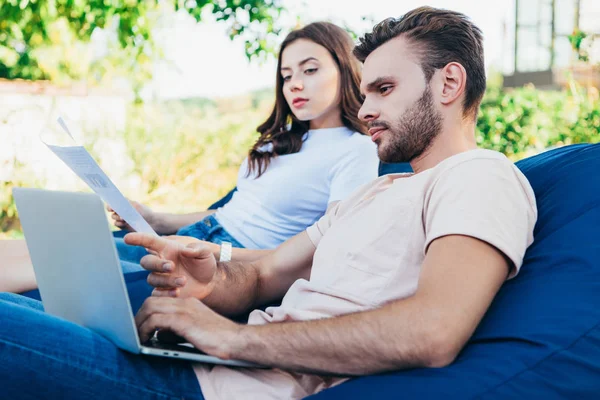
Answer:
(80, 161)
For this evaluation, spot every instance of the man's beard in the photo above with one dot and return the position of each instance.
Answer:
(412, 134)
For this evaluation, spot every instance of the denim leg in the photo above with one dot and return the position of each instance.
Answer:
(219, 235)
(128, 267)
(22, 301)
(129, 253)
(138, 289)
(210, 230)
(42, 356)
(135, 280)
(120, 233)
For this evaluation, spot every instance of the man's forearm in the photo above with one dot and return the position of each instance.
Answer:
(390, 338)
(245, 255)
(236, 288)
(242, 286)
(240, 254)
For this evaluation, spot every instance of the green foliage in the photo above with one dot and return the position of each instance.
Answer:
(30, 29)
(582, 43)
(577, 39)
(525, 121)
(21, 176)
(187, 154)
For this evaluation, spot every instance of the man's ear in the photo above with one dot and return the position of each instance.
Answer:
(454, 79)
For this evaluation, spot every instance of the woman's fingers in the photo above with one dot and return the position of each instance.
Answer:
(119, 222)
(116, 217)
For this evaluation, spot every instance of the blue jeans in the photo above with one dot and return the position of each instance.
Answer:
(138, 290)
(207, 229)
(42, 356)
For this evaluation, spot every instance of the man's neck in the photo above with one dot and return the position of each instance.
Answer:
(451, 141)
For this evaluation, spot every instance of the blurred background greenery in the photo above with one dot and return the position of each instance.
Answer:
(181, 155)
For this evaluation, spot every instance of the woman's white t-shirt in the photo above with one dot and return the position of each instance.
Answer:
(294, 191)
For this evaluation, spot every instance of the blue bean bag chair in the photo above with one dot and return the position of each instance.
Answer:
(541, 337)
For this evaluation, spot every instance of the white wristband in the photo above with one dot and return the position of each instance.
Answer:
(226, 250)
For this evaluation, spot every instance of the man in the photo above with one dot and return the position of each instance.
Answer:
(396, 276)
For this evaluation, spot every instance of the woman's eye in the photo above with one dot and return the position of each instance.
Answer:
(384, 89)
(310, 71)
(287, 78)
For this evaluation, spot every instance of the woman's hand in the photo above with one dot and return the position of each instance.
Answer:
(145, 211)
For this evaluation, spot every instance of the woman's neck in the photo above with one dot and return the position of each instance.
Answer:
(332, 120)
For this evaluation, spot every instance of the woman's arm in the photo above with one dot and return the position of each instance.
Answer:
(162, 223)
(168, 224)
(16, 270)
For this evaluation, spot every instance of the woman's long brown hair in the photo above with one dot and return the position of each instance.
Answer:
(275, 129)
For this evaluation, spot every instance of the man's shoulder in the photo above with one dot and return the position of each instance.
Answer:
(484, 170)
(474, 165)
(475, 159)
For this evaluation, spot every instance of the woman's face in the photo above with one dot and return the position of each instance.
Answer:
(311, 84)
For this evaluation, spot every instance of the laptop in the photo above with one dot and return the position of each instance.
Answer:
(78, 271)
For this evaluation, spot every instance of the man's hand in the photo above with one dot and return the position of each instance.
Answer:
(232, 288)
(177, 269)
(190, 319)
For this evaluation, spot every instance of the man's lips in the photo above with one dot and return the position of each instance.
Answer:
(375, 132)
(299, 102)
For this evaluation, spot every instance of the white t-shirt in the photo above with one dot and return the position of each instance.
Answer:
(294, 191)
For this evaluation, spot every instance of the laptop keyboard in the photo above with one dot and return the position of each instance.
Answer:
(184, 347)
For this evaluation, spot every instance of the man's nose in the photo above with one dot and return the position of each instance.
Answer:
(367, 112)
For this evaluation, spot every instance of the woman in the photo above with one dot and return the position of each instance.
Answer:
(312, 152)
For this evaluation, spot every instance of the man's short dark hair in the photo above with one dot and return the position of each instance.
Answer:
(441, 37)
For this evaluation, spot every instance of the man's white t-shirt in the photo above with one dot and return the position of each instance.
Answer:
(295, 190)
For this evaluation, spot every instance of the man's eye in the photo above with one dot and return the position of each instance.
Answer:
(384, 89)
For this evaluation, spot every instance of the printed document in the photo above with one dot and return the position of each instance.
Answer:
(83, 164)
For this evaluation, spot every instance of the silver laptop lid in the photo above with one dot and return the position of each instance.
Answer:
(76, 263)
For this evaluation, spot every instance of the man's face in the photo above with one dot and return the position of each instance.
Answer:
(399, 105)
